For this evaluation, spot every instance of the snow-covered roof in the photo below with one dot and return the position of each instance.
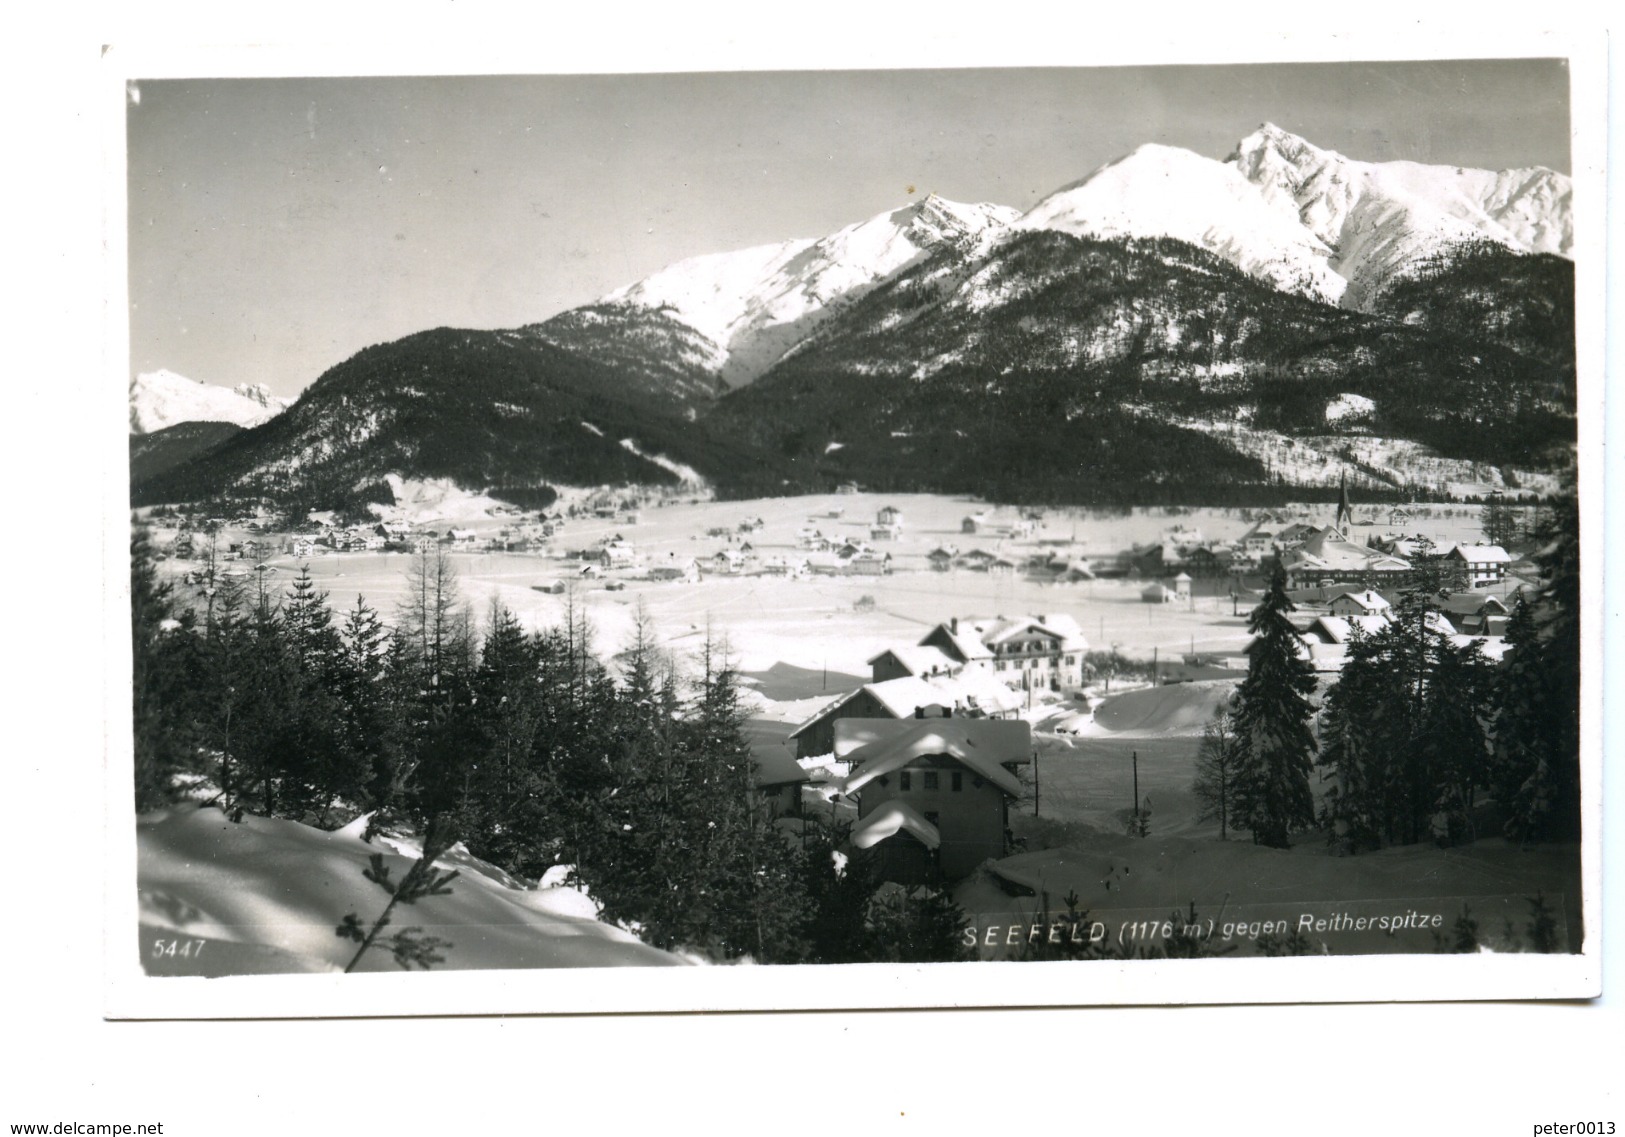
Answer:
(1494, 647)
(901, 697)
(1339, 629)
(1437, 623)
(979, 744)
(833, 705)
(965, 641)
(888, 821)
(1473, 603)
(1482, 553)
(1367, 599)
(919, 659)
(778, 768)
(906, 694)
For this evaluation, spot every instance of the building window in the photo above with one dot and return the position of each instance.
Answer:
(930, 780)
(904, 781)
(956, 781)
(931, 817)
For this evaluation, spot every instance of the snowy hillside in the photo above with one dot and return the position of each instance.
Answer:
(1382, 217)
(160, 399)
(1163, 191)
(755, 304)
(261, 896)
(1310, 220)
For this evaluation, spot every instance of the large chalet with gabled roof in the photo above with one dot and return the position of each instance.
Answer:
(933, 794)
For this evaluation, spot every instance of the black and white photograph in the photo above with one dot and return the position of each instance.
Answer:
(840, 568)
(983, 517)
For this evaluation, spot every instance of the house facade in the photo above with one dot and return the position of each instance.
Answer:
(933, 795)
(1481, 565)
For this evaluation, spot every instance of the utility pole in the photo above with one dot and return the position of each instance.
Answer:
(1035, 781)
(1138, 826)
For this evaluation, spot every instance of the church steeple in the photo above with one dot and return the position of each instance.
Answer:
(1345, 515)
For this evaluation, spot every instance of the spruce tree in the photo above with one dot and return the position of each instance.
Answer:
(371, 720)
(511, 818)
(1405, 731)
(163, 667)
(1536, 764)
(1365, 730)
(1453, 740)
(322, 768)
(762, 905)
(226, 688)
(1272, 724)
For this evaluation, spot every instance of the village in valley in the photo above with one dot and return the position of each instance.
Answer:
(974, 696)
(830, 559)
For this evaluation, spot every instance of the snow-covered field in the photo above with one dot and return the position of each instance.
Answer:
(828, 623)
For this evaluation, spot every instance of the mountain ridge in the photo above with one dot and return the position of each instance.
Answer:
(1169, 288)
(164, 398)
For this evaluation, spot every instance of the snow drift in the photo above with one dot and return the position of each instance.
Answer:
(265, 896)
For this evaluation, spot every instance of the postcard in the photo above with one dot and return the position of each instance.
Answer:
(703, 539)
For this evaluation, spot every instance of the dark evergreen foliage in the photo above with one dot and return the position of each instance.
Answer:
(409, 946)
(164, 450)
(480, 408)
(1535, 770)
(1271, 717)
(1063, 383)
(1070, 387)
(164, 661)
(1406, 734)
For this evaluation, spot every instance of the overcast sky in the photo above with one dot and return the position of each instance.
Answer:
(277, 226)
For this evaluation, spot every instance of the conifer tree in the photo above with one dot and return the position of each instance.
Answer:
(512, 815)
(1404, 730)
(1272, 724)
(227, 689)
(1217, 788)
(435, 650)
(322, 768)
(762, 905)
(371, 721)
(1536, 765)
(162, 666)
(1365, 732)
(1453, 741)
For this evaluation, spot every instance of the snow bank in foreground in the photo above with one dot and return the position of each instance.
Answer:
(266, 896)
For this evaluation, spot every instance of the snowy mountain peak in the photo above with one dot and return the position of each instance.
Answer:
(1382, 218)
(755, 304)
(1310, 220)
(162, 398)
(1269, 137)
(1165, 191)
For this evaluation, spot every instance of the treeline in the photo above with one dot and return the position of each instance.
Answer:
(522, 745)
(478, 407)
(1421, 738)
(1416, 729)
